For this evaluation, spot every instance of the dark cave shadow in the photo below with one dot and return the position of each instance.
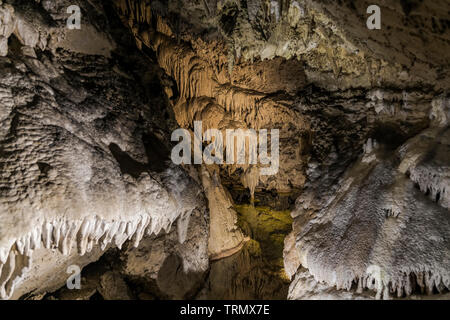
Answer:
(157, 155)
(175, 282)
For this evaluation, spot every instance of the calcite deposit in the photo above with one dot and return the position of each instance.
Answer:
(359, 205)
(83, 156)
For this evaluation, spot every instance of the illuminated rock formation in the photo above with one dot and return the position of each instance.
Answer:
(352, 100)
(86, 120)
(82, 160)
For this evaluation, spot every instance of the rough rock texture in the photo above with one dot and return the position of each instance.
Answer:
(49, 270)
(249, 97)
(363, 117)
(161, 267)
(395, 237)
(83, 161)
(166, 267)
(364, 151)
(329, 38)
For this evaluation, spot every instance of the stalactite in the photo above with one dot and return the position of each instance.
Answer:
(65, 234)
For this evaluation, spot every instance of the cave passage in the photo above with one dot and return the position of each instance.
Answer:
(224, 150)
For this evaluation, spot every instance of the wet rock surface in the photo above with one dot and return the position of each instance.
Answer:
(359, 208)
(347, 98)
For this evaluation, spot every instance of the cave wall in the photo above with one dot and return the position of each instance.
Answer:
(83, 151)
(349, 101)
(363, 173)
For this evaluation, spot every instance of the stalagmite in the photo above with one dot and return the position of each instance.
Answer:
(352, 202)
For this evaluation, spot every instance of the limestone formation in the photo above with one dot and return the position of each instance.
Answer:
(82, 163)
(359, 206)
